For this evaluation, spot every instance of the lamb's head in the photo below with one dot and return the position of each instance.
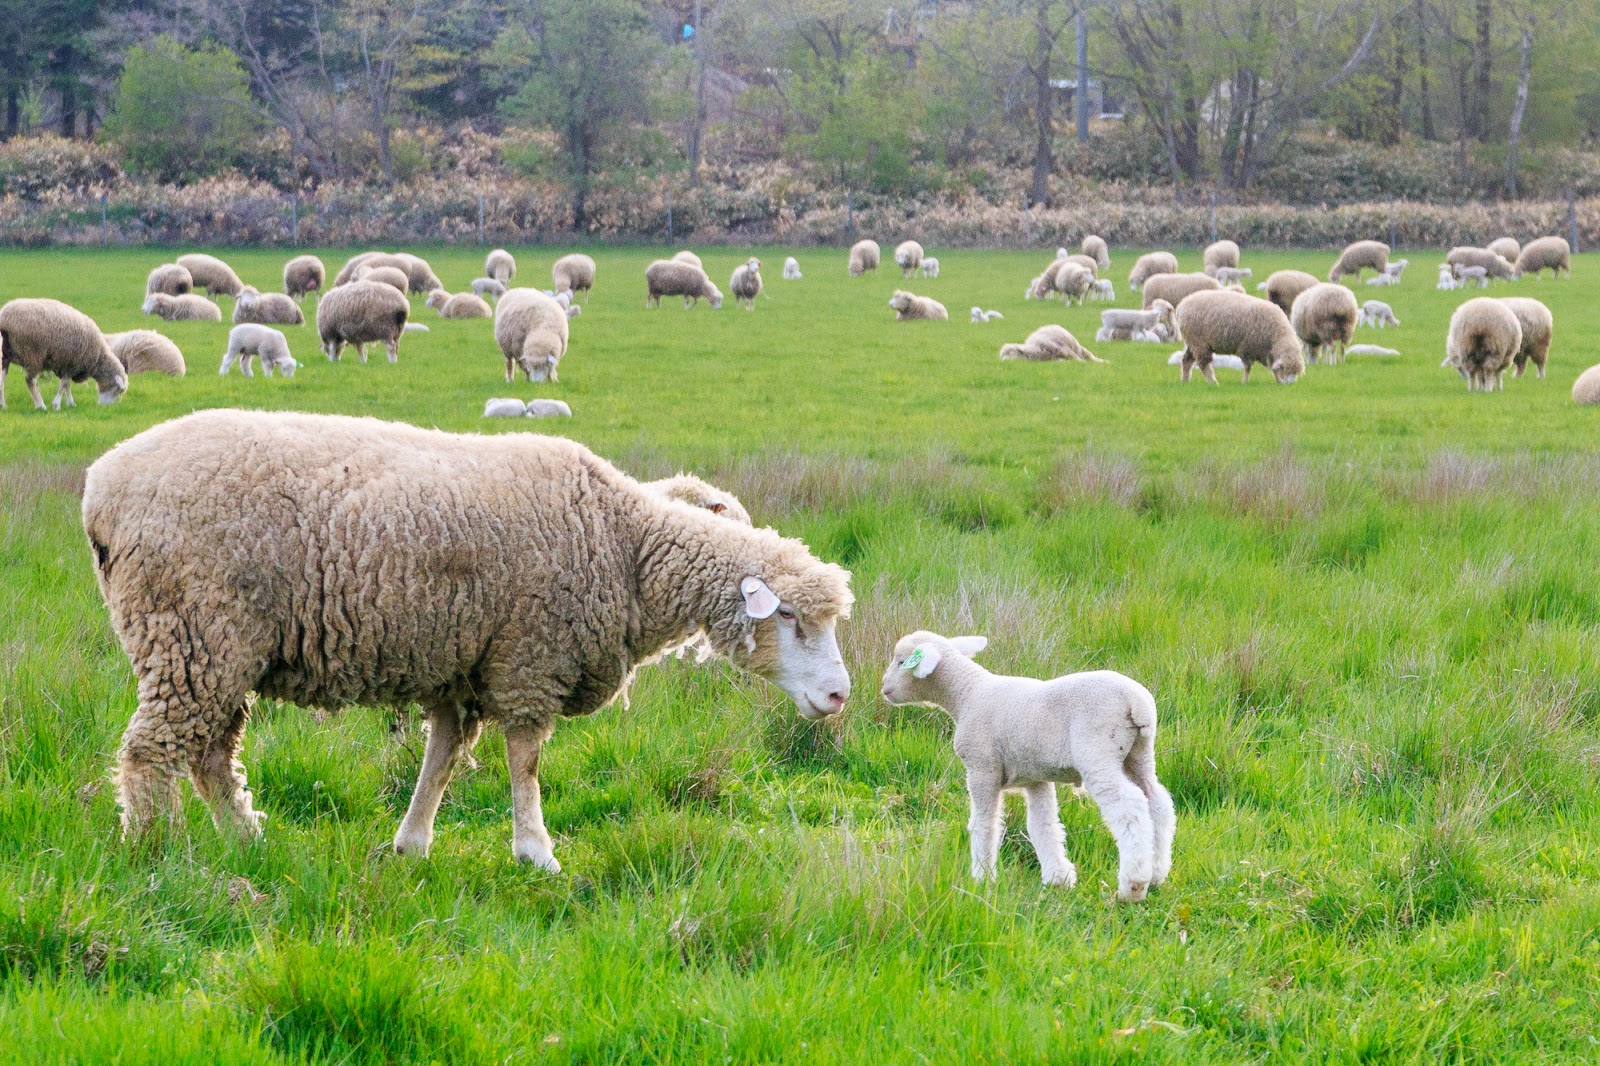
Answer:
(1166, 323)
(977, 314)
(541, 351)
(911, 675)
(793, 642)
(157, 303)
(686, 488)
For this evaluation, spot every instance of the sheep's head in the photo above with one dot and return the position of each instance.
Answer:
(157, 303)
(247, 295)
(1041, 287)
(793, 643)
(437, 299)
(900, 300)
(541, 351)
(911, 676)
(753, 263)
(713, 295)
(1288, 358)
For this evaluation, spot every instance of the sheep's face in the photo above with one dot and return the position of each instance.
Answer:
(1288, 361)
(111, 393)
(714, 297)
(900, 301)
(436, 299)
(539, 362)
(909, 677)
(797, 651)
(156, 303)
(286, 366)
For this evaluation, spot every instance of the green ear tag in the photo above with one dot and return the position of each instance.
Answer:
(913, 660)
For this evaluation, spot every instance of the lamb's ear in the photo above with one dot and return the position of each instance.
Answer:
(969, 646)
(759, 601)
(922, 661)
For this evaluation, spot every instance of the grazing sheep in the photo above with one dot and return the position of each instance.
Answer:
(907, 307)
(45, 336)
(1218, 362)
(360, 313)
(1095, 248)
(500, 265)
(686, 488)
(535, 588)
(1072, 281)
(675, 277)
(574, 273)
(460, 305)
(980, 315)
(391, 276)
(144, 351)
(1282, 286)
(303, 275)
(211, 274)
(1047, 344)
(689, 257)
(930, 267)
(1218, 255)
(1472, 275)
(1494, 266)
(1158, 319)
(420, 277)
(1102, 289)
(1230, 275)
(791, 269)
(1586, 390)
(485, 287)
(1552, 253)
(1362, 255)
(531, 330)
(908, 257)
(251, 340)
(1233, 323)
(1447, 278)
(190, 307)
(745, 284)
(1370, 349)
(1324, 318)
(169, 279)
(1020, 734)
(1538, 326)
(863, 257)
(1175, 288)
(1149, 265)
(1485, 336)
(1377, 313)
(1506, 248)
(268, 309)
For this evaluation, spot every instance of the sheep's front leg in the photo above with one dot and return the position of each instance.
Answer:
(530, 840)
(63, 392)
(393, 347)
(985, 825)
(415, 835)
(33, 390)
(1049, 839)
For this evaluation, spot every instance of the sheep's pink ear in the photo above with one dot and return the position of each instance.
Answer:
(969, 646)
(759, 601)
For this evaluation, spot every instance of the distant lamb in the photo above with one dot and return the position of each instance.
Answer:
(1377, 313)
(255, 340)
(908, 307)
(1218, 362)
(1157, 319)
(1359, 256)
(1546, 253)
(1230, 275)
(1102, 290)
(908, 257)
(791, 269)
(980, 315)
(1020, 734)
(863, 257)
(1485, 337)
(1049, 344)
(531, 409)
(1118, 333)
(1447, 279)
(1472, 275)
(1370, 349)
(930, 267)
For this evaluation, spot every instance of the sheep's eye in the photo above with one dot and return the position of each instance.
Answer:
(786, 613)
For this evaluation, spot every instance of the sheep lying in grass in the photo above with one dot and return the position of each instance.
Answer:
(1230, 275)
(1538, 326)
(1157, 319)
(211, 274)
(1095, 248)
(1359, 256)
(908, 257)
(745, 284)
(531, 330)
(144, 351)
(1102, 290)
(930, 267)
(1020, 734)
(1149, 265)
(168, 278)
(267, 309)
(459, 305)
(1385, 278)
(1324, 318)
(360, 313)
(1219, 255)
(908, 306)
(1485, 336)
(484, 288)
(791, 269)
(531, 409)
(1232, 323)
(1547, 253)
(1586, 390)
(252, 340)
(1377, 313)
(980, 315)
(668, 277)
(1049, 344)
(303, 275)
(1447, 279)
(1370, 349)
(574, 273)
(864, 256)
(190, 307)
(45, 336)
(500, 265)
(1283, 286)
(1117, 333)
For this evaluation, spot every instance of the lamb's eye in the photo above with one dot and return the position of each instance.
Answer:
(786, 613)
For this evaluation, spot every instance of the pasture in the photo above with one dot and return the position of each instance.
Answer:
(1367, 605)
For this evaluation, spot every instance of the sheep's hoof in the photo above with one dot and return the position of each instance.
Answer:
(1066, 877)
(412, 844)
(536, 856)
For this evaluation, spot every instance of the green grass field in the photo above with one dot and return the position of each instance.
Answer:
(1367, 604)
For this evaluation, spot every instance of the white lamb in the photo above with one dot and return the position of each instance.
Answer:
(1395, 268)
(1447, 278)
(980, 315)
(1231, 275)
(1018, 734)
(1218, 362)
(1033, 288)
(1470, 275)
(504, 408)
(791, 269)
(1376, 313)
(1370, 349)
(930, 267)
(251, 340)
(1384, 279)
(1102, 289)
(1127, 333)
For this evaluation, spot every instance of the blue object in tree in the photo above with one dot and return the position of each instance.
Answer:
(688, 31)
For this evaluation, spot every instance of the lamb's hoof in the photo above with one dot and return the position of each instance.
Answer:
(416, 844)
(1063, 878)
(536, 856)
(1133, 891)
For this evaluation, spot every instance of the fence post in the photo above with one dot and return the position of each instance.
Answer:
(850, 214)
(294, 219)
(1213, 218)
(1393, 240)
(105, 225)
(1572, 220)
(1027, 225)
(480, 218)
(671, 232)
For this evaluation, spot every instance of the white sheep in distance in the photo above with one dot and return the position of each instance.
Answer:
(1485, 337)
(1493, 264)
(1095, 248)
(930, 267)
(535, 595)
(745, 284)
(1447, 279)
(500, 265)
(1149, 265)
(908, 257)
(1218, 362)
(266, 308)
(980, 315)
(791, 269)
(575, 273)
(676, 277)
(908, 306)
(1219, 255)
(1370, 349)
(1359, 256)
(1377, 313)
(1022, 734)
(190, 307)
(302, 276)
(168, 278)
(252, 339)
(1324, 318)
(44, 336)
(211, 274)
(1049, 344)
(1547, 253)
(1102, 290)
(1073, 281)
(1538, 326)
(1385, 278)
(361, 313)
(864, 255)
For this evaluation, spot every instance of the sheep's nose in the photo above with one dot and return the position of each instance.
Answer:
(835, 701)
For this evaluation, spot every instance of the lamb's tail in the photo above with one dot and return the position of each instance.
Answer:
(1140, 762)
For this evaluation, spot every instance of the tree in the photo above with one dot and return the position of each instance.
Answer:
(181, 113)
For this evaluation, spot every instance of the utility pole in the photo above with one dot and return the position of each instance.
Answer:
(1081, 97)
(699, 98)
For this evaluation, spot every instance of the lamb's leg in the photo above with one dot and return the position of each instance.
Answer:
(219, 778)
(1141, 767)
(415, 835)
(530, 839)
(986, 823)
(247, 364)
(1126, 811)
(1049, 839)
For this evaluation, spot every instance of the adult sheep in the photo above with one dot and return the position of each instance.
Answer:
(170, 279)
(745, 284)
(1175, 288)
(211, 274)
(908, 307)
(1359, 256)
(1149, 265)
(1049, 344)
(420, 277)
(1072, 280)
(908, 257)
(500, 265)
(45, 336)
(573, 273)
(190, 307)
(1095, 248)
(1235, 323)
(671, 277)
(392, 276)
(1494, 264)
(1219, 254)
(689, 257)
(531, 330)
(1324, 318)
(460, 305)
(1505, 247)
(1546, 253)
(863, 257)
(266, 308)
(361, 313)
(533, 592)
(1485, 336)
(1586, 390)
(144, 351)
(302, 276)
(1283, 286)
(1538, 326)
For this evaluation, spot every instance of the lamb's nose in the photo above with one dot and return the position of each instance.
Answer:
(836, 700)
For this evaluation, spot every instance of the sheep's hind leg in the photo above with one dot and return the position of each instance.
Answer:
(219, 778)
(1126, 811)
(63, 392)
(530, 839)
(985, 824)
(415, 835)
(149, 764)
(1141, 767)
(1049, 839)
